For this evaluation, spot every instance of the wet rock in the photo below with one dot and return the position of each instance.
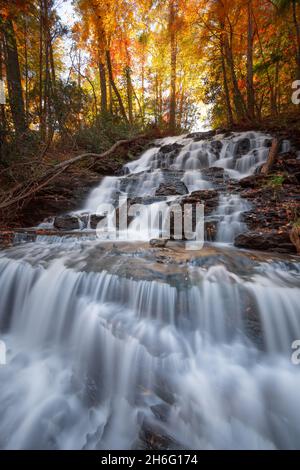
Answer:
(197, 136)
(223, 131)
(208, 197)
(122, 171)
(214, 172)
(161, 411)
(147, 200)
(216, 146)
(291, 165)
(171, 148)
(129, 184)
(6, 238)
(95, 219)
(266, 241)
(201, 195)
(252, 181)
(159, 242)
(243, 147)
(66, 222)
(153, 437)
(210, 230)
(172, 189)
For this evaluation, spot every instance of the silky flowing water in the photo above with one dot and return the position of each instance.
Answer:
(115, 345)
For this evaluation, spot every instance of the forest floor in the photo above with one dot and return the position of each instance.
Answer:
(68, 190)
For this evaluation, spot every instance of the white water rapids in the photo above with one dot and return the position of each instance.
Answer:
(116, 346)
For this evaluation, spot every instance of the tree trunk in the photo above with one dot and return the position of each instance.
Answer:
(41, 90)
(173, 45)
(226, 88)
(114, 87)
(156, 104)
(26, 71)
(47, 84)
(238, 98)
(250, 88)
(297, 27)
(129, 94)
(13, 73)
(143, 91)
(272, 156)
(102, 76)
(2, 106)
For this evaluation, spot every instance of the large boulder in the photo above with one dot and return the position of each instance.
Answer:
(171, 148)
(243, 147)
(94, 220)
(67, 222)
(208, 197)
(177, 188)
(159, 242)
(266, 241)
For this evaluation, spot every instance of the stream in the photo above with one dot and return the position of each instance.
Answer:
(114, 344)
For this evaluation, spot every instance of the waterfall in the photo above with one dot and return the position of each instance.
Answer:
(182, 162)
(114, 345)
(229, 214)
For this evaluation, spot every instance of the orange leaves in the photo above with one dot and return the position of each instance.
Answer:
(9, 8)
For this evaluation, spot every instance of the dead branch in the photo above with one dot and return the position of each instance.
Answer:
(25, 190)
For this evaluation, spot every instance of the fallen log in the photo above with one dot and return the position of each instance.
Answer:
(23, 191)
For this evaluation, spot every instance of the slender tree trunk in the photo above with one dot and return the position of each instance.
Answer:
(173, 46)
(80, 89)
(48, 84)
(129, 94)
(250, 87)
(297, 27)
(276, 89)
(111, 105)
(143, 90)
(264, 61)
(13, 73)
(181, 106)
(160, 95)
(238, 98)
(41, 73)
(26, 71)
(226, 88)
(103, 88)
(2, 106)
(156, 104)
(54, 90)
(114, 87)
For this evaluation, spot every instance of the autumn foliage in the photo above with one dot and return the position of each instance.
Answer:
(144, 63)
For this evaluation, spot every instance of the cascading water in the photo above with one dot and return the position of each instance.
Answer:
(116, 345)
(228, 215)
